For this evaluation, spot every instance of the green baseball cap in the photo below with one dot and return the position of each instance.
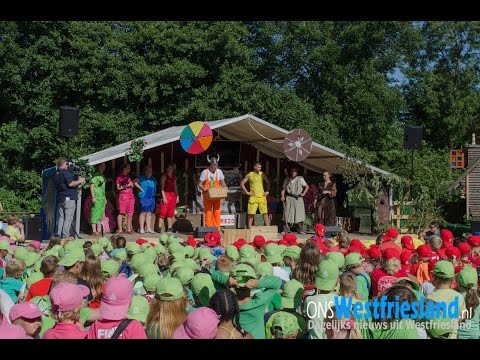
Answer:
(202, 286)
(103, 241)
(196, 251)
(248, 254)
(293, 252)
(415, 285)
(176, 265)
(51, 252)
(444, 270)
(150, 282)
(19, 253)
(163, 239)
(38, 264)
(147, 269)
(151, 253)
(109, 267)
(273, 253)
(242, 273)
(207, 259)
(145, 246)
(264, 269)
(189, 250)
(160, 249)
(31, 258)
(71, 245)
(353, 259)
(175, 247)
(138, 309)
(337, 257)
(327, 275)
(172, 239)
(192, 264)
(43, 303)
(169, 289)
(97, 249)
(282, 248)
(71, 257)
(468, 277)
(179, 256)
(61, 252)
(292, 294)
(203, 252)
(120, 254)
(133, 249)
(184, 274)
(284, 323)
(232, 252)
(5, 245)
(79, 242)
(138, 260)
(33, 278)
(56, 247)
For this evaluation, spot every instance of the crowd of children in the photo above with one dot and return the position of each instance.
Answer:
(265, 289)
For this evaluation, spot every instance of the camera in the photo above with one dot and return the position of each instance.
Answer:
(73, 167)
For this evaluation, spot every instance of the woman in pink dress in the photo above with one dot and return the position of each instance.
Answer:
(126, 199)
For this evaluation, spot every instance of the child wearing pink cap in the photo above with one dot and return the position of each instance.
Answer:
(10, 331)
(28, 316)
(67, 300)
(200, 324)
(116, 300)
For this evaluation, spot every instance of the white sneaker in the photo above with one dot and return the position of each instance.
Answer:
(150, 231)
(141, 231)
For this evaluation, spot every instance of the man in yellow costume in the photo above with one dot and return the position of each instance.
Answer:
(258, 197)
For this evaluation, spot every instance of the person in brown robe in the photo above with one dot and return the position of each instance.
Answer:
(325, 209)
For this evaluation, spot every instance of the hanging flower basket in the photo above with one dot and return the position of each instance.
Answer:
(135, 151)
(83, 169)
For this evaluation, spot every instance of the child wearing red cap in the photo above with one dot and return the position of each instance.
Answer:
(465, 251)
(374, 256)
(407, 243)
(385, 276)
(436, 244)
(386, 241)
(420, 268)
(67, 300)
(405, 257)
(453, 255)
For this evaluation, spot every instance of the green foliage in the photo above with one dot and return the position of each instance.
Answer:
(85, 170)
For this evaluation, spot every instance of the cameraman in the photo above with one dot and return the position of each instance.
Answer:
(67, 196)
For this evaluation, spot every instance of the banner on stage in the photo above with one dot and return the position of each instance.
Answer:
(227, 220)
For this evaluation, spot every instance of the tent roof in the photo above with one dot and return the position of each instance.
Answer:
(263, 135)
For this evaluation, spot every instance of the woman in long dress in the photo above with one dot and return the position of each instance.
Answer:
(325, 208)
(99, 201)
(293, 190)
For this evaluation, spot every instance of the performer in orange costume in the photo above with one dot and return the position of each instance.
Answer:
(212, 177)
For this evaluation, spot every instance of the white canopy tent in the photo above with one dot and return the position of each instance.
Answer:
(250, 129)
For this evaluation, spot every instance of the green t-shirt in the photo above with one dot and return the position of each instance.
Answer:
(98, 180)
(276, 303)
(312, 309)
(363, 284)
(470, 328)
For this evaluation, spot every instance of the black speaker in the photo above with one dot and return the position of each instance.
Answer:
(331, 231)
(412, 137)
(69, 119)
(202, 230)
(475, 227)
(33, 228)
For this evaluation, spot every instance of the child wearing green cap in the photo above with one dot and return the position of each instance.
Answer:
(443, 276)
(252, 308)
(138, 309)
(325, 281)
(284, 326)
(4, 254)
(291, 255)
(354, 264)
(167, 311)
(467, 280)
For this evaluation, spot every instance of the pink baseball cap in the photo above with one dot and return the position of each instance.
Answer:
(200, 324)
(37, 244)
(27, 310)
(11, 331)
(116, 298)
(67, 297)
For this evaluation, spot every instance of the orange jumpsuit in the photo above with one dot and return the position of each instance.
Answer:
(212, 207)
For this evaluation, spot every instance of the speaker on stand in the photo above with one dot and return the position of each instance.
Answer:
(69, 122)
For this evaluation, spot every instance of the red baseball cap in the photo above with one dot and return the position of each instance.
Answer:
(391, 253)
(453, 253)
(320, 229)
(259, 241)
(424, 251)
(405, 257)
(447, 237)
(407, 242)
(358, 250)
(464, 248)
(190, 240)
(239, 243)
(321, 246)
(474, 240)
(392, 233)
(270, 242)
(214, 239)
(374, 252)
(141, 241)
(283, 242)
(386, 238)
(357, 243)
(290, 238)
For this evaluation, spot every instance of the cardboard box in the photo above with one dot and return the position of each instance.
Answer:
(217, 193)
(268, 232)
(232, 235)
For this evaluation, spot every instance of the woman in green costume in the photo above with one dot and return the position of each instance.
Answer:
(99, 201)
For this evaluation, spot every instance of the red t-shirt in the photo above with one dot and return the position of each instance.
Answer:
(381, 281)
(40, 288)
